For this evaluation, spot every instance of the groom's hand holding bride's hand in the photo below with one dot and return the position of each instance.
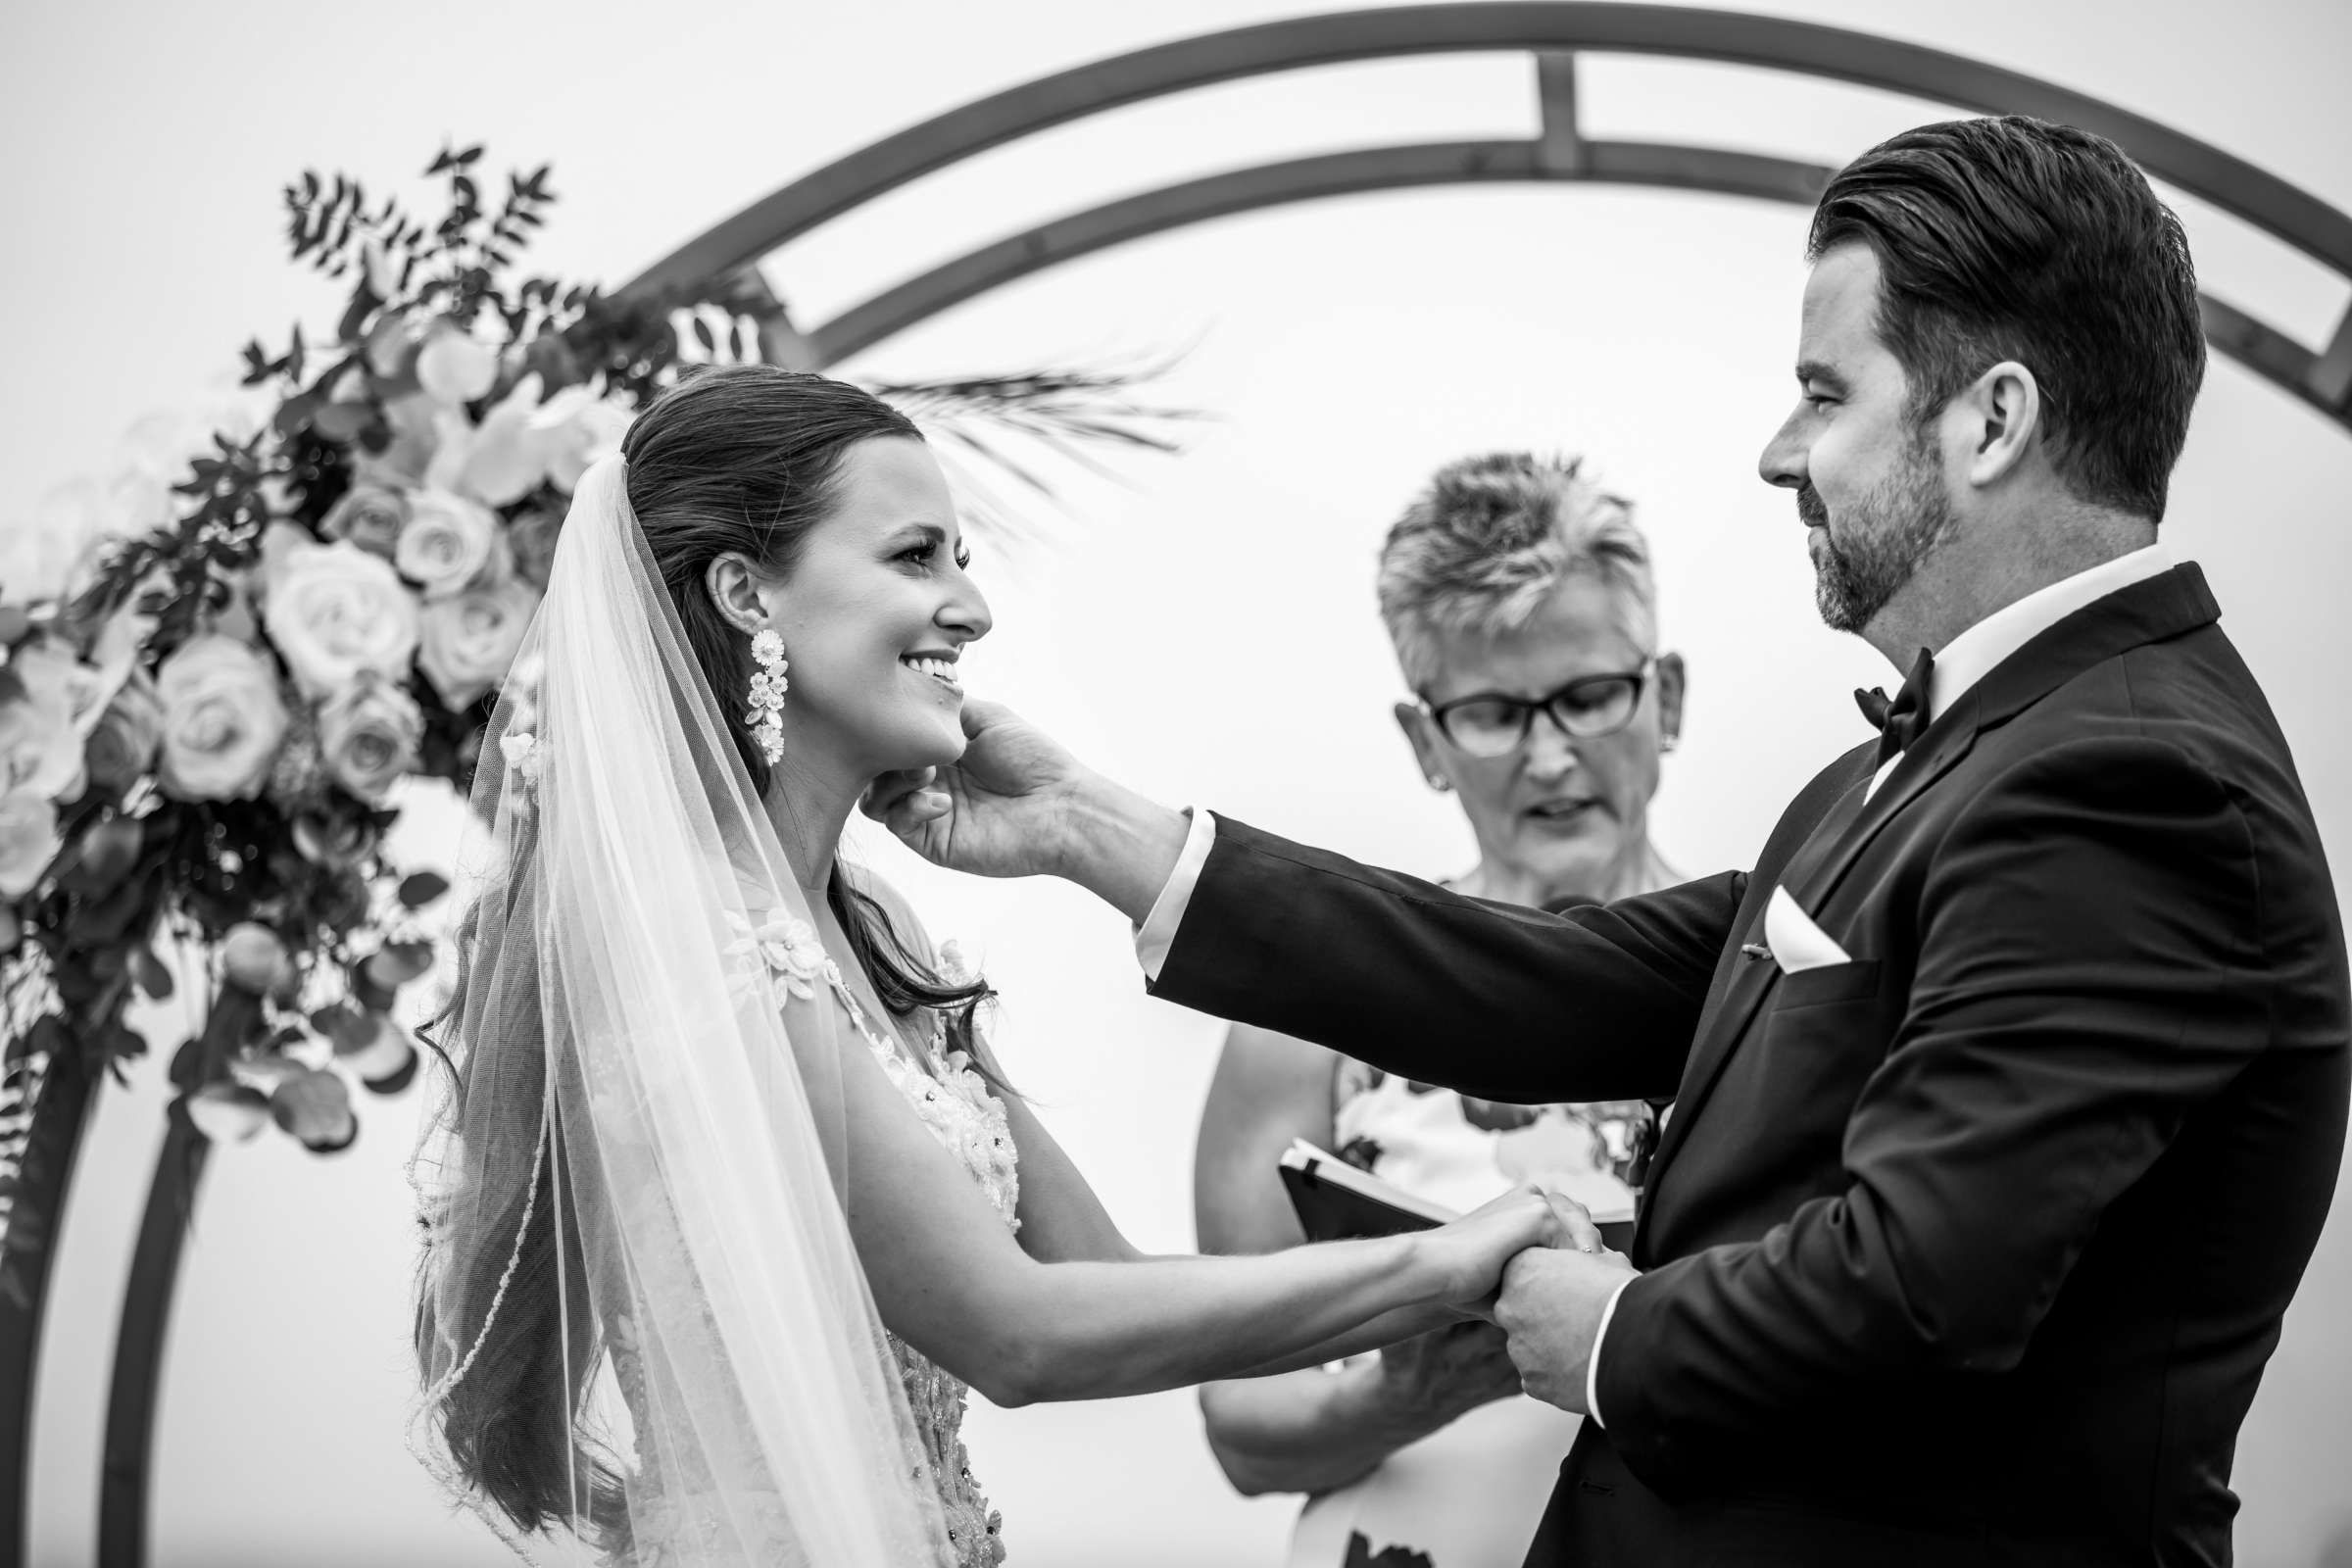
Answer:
(1473, 1251)
(1550, 1307)
(1016, 804)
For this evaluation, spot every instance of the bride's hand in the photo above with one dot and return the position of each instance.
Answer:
(999, 811)
(1471, 1252)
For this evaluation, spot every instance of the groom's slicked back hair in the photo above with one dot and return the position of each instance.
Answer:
(2014, 238)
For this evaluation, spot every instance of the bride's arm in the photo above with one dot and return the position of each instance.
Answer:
(1063, 1221)
(950, 1279)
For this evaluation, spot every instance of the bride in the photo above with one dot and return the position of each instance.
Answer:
(728, 1202)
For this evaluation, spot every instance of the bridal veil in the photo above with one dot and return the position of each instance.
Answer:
(627, 1067)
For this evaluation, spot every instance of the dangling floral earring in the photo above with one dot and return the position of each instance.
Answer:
(769, 686)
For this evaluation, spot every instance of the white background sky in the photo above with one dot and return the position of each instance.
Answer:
(1206, 629)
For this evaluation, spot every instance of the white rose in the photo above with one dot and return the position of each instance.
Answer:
(579, 427)
(455, 367)
(40, 738)
(28, 840)
(367, 735)
(334, 611)
(448, 542)
(370, 515)
(506, 455)
(222, 719)
(469, 640)
(54, 675)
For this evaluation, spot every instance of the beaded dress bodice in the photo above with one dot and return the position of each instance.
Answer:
(969, 1122)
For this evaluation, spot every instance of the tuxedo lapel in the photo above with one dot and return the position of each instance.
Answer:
(1938, 748)
(2165, 606)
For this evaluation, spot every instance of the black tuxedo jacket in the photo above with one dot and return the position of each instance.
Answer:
(1970, 1249)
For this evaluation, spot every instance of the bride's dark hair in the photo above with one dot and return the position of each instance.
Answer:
(742, 459)
(746, 459)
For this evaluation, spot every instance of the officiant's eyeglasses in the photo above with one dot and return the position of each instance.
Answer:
(1491, 724)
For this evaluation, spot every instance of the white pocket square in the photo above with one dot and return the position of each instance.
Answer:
(1796, 942)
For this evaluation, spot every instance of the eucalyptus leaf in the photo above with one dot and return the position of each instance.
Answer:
(421, 888)
(151, 975)
(399, 962)
(315, 1108)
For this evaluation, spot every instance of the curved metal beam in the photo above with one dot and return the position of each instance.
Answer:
(1374, 169)
(2225, 182)
(2261, 348)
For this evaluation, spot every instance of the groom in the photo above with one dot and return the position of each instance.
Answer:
(2010, 1085)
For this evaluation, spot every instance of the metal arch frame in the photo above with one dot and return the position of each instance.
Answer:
(1554, 31)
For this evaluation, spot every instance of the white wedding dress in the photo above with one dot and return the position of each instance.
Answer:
(683, 1526)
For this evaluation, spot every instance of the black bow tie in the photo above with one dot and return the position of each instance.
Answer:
(1899, 721)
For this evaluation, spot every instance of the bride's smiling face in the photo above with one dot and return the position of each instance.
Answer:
(874, 614)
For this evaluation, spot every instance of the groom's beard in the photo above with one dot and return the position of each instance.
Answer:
(1887, 533)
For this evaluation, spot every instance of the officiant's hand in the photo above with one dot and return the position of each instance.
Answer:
(1016, 804)
(1427, 1380)
(1550, 1306)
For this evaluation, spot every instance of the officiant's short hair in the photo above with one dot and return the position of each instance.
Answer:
(1490, 539)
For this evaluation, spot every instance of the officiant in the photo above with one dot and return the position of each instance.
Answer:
(1518, 595)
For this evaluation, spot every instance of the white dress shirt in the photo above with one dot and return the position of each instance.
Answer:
(1966, 660)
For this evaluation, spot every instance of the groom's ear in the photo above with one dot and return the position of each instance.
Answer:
(1998, 416)
(735, 591)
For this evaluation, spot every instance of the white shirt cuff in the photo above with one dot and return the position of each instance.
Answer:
(1593, 1361)
(1158, 933)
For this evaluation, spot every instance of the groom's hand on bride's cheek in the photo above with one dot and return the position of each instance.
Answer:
(906, 799)
(1550, 1307)
(994, 812)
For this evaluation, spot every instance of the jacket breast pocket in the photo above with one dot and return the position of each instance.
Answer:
(1829, 982)
(1822, 1033)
